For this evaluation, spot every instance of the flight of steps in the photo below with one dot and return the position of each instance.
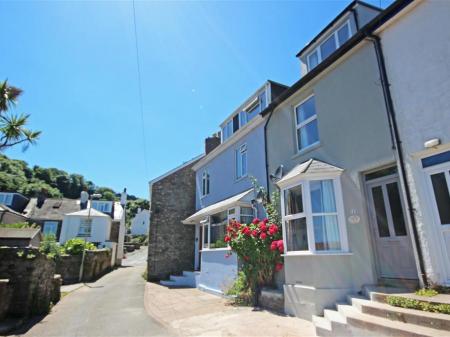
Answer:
(189, 279)
(361, 316)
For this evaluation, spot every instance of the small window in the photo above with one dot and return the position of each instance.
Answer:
(242, 118)
(328, 47)
(205, 183)
(343, 34)
(102, 206)
(6, 198)
(247, 215)
(313, 59)
(241, 161)
(50, 227)
(85, 228)
(306, 120)
(235, 123)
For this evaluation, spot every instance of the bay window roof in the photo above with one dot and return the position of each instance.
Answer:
(311, 167)
(242, 199)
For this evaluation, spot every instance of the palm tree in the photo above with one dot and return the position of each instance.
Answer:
(13, 129)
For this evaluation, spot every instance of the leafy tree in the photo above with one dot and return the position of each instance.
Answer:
(34, 188)
(13, 129)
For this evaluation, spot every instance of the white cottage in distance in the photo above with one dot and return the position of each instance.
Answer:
(141, 222)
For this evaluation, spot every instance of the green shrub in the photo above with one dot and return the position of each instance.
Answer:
(50, 247)
(241, 291)
(75, 246)
(426, 292)
(141, 239)
(410, 303)
(19, 225)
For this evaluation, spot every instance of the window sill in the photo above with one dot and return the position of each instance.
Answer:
(306, 150)
(215, 249)
(307, 253)
(240, 178)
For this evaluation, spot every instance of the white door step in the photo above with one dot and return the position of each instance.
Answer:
(191, 273)
(422, 318)
(368, 325)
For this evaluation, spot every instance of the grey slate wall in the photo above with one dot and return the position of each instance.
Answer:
(171, 243)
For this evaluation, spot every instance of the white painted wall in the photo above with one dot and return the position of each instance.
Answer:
(101, 228)
(140, 223)
(416, 47)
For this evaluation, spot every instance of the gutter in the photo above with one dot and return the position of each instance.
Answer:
(397, 146)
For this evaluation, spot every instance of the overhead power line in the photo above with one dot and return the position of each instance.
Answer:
(139, 78)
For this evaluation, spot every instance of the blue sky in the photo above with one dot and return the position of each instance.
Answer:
(76, 62)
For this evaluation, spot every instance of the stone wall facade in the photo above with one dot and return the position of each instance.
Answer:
(171, 243)
(96, 264)
(31, 278)
(5, 296)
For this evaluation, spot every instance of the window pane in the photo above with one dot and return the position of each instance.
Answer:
(306, 110)
(381, 173)
(205, 236)
(313, 60)
(296, 235)
(50, 227)
(308, 135)
(343, 34)
(328, 47)
(85, 228)
(247, 215)
(380, 211)
(326, 232)
(244, 163)
(442, 196)
(293, 200)
(217, 236)
(224, 133)
(243, 118)
(235, 123)
(322, 196)
(238, 164)
(262, 100)
(436, 159)
(396, 209)
(253, 112)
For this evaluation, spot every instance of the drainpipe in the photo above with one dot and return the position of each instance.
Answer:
(266, 157)
(395, 134)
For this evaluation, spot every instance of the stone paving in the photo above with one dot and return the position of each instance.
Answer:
(191, 312)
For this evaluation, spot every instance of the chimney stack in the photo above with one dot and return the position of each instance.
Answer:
(42, 195)
(211, 143)
(84, 197)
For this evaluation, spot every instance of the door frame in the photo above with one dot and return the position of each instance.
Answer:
(373, 227)
(436, 221)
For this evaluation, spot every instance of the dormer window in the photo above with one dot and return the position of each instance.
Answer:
(330, 45)
(6, 198)
(102, 206)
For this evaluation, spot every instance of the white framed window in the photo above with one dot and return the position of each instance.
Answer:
(85, 228)
(102, 206)
(313, 217)
(205, 183)
(227, 130)
(247, 214)
(50, 227)
(307, 132)
(331, 44)
(241, 161)
(6, 198)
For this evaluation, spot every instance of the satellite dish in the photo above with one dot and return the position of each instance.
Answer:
(278, 174)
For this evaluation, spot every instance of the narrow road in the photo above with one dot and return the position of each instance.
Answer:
(112, 306)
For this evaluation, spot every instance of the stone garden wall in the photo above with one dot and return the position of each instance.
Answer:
(31, 286)
(96, 264)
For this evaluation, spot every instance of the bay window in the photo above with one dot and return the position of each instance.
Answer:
(306, 124)
(247, 215)
(311, 218)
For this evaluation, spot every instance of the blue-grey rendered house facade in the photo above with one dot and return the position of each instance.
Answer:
(225, 190)
(343, 213)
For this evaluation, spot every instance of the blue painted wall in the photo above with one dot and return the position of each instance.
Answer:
(223, 183)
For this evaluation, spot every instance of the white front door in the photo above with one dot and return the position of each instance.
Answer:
(439, 185)
(395, 256)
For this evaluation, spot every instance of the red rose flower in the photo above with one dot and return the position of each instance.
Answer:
(246, 258)
(280, 246)
(255, 221)
(273, 245)
(246, 231)
(273, 229)
(278, 266)
(265, 220)
(263, 227)
(263, 236)
(227, 239)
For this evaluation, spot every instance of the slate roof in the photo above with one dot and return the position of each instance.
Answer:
(52, 209)
(19, 233)
(311, 166)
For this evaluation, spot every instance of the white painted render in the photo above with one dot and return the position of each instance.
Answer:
(140, 223)
(416, 46)
(101, 227)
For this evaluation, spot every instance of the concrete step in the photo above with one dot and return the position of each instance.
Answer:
(191, 273)
(323, 326)
(421, 318)
(379, 293)
(361, 324)
(183, 280)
